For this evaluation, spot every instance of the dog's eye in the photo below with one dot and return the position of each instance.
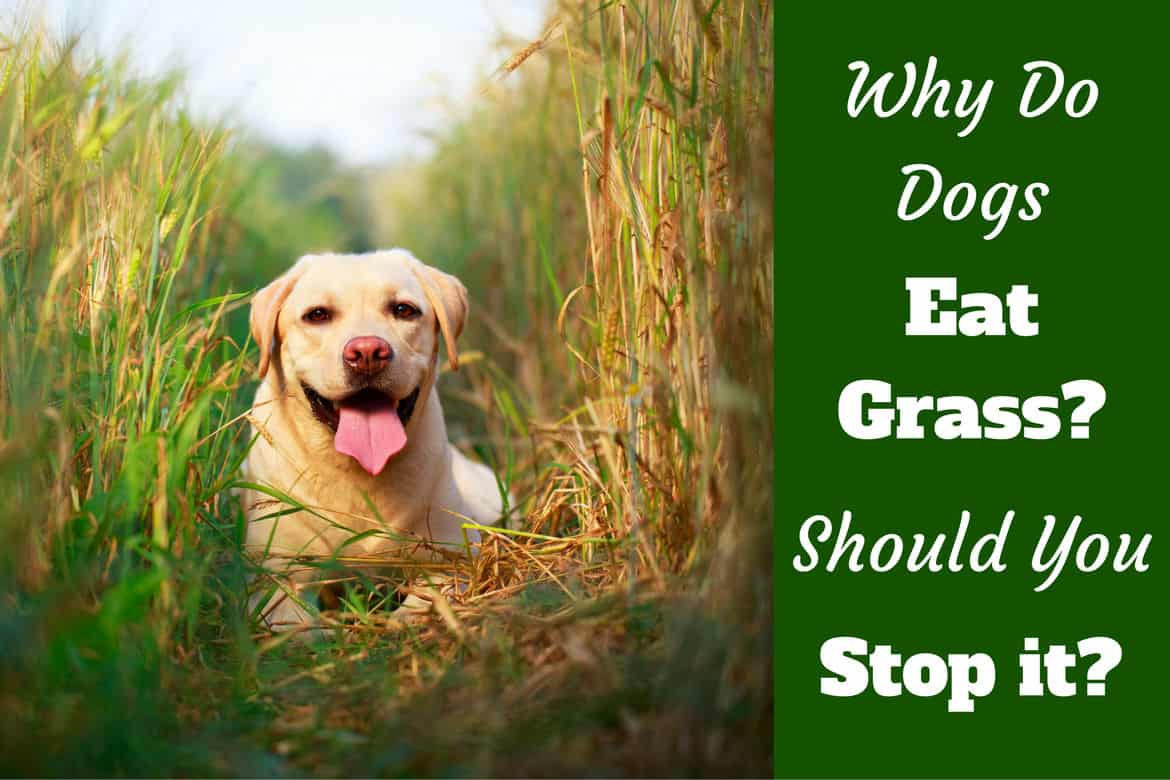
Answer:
(404, 311)
(318, 314)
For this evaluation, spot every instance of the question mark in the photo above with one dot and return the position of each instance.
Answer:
(1093, 395)
(1110, 656)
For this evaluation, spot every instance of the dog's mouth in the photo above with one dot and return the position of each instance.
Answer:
(328, 412)
(368, 425)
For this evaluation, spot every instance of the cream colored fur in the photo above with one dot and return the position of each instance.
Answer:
(425, 492)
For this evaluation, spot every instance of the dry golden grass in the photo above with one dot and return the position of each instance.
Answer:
(666, 322)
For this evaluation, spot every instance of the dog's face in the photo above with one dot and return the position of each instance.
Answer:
(354, 339)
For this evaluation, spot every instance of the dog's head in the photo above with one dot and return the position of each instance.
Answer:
(354, 338)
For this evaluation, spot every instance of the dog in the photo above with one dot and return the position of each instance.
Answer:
(347, 423)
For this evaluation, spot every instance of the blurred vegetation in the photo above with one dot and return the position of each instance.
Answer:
(290, 203)
(607, 199)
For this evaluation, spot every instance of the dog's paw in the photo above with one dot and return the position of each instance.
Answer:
(288, 611)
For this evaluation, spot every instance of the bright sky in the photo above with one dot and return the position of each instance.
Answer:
(362, 77)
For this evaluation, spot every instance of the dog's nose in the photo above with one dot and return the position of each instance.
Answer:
(367, 354)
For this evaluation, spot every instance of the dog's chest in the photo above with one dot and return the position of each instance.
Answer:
(395, 502)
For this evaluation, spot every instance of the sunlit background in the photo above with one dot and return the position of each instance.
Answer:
(367, 79)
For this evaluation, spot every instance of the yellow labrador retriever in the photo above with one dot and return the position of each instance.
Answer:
(347, 422)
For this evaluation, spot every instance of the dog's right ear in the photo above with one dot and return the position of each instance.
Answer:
(266, 306)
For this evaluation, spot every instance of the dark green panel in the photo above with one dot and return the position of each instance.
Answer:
(1096, 257)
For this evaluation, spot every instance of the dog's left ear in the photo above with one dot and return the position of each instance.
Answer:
(266, 311)
(448, 297)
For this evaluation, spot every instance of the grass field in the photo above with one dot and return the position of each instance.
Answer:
(607, 199)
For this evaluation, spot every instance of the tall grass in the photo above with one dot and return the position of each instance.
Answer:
(608, 202)
(117, 388)
(114, 372)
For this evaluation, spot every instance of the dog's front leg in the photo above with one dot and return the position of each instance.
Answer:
(289, 601)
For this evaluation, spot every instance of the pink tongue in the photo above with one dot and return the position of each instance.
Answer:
(369, 431)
